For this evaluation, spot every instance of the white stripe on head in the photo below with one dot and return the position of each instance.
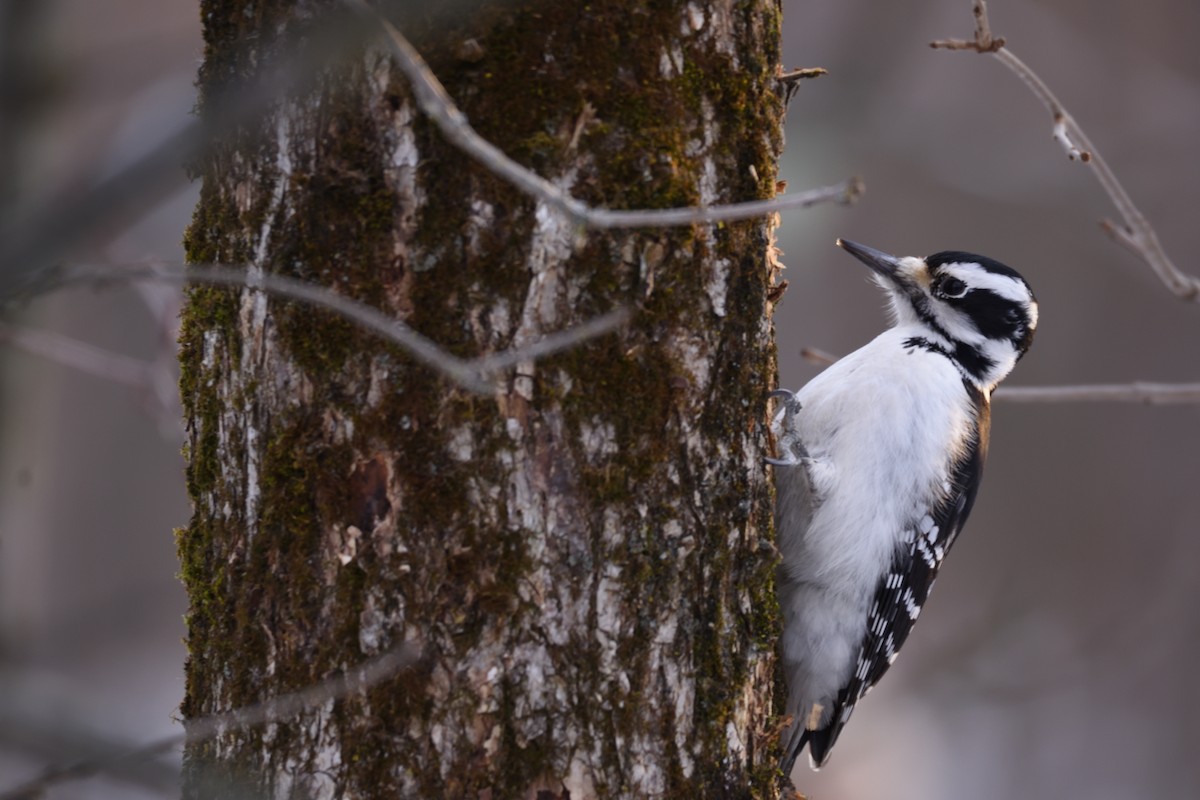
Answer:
(955, 323)
(977, 277)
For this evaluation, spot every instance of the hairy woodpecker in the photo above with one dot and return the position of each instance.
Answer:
(880, 459)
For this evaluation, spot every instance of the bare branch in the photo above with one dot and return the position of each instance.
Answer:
(789, 81)
(436, 103)
(276, 709)
(154, 382)
(1137, 392)
(815, 356)
(32, 239)
(1140, 392)
(845, 193)
(1136, 233)
(983, 28)
(803, 73)
(554, 343)
(38, 722)
(983, 42)
(476, 375)
(81, 356)
(1064, 138)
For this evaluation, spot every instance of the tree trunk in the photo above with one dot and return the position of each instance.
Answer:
(583, 559)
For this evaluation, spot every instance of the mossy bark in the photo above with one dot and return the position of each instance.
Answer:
(583, 558)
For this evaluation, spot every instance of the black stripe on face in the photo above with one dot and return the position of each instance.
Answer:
(994, 316)
(921, 305)
(973, 361)
(997, 318)
(967, 358)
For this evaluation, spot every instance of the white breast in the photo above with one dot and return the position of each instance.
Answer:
(880, 425)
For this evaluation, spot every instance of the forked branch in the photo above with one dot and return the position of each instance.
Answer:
(477, 375)
(436, 103)
(280, 708)
(1133, 232)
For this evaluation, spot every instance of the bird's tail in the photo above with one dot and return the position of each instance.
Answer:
(820, 743)
(791, 749)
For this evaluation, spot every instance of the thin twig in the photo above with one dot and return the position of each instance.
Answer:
(801, 74)
(1140, 392)
(475, 374)
(814, 356)
(41, 727)
(33, 239)
(154, 382)
(433, 99)
(1135, 233)
(845, 192)
(553, 343)
(82, 356)
(1137, 392)
(202, 729)
(789, 82)
(983, 42)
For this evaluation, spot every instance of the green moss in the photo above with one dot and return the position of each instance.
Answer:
(338, 226)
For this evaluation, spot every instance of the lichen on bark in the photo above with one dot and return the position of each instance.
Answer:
(584, 557)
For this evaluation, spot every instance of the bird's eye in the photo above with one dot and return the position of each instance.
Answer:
(952, 287)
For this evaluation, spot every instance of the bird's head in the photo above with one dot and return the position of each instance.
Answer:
(980, 311)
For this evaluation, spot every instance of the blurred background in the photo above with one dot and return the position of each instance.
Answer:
(91, 478)
(1055, 658)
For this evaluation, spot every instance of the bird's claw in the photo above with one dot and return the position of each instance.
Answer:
(788, 408)
(789, 399)
(796, 456)
(784, 429)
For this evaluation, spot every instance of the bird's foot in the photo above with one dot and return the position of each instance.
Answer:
(784, 428)
(790, 403)
(787, 408)
(791, 459)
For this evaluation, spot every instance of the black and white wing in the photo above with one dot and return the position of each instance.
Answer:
(902, 592)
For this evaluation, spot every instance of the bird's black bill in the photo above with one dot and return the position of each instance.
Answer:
(877, 260)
